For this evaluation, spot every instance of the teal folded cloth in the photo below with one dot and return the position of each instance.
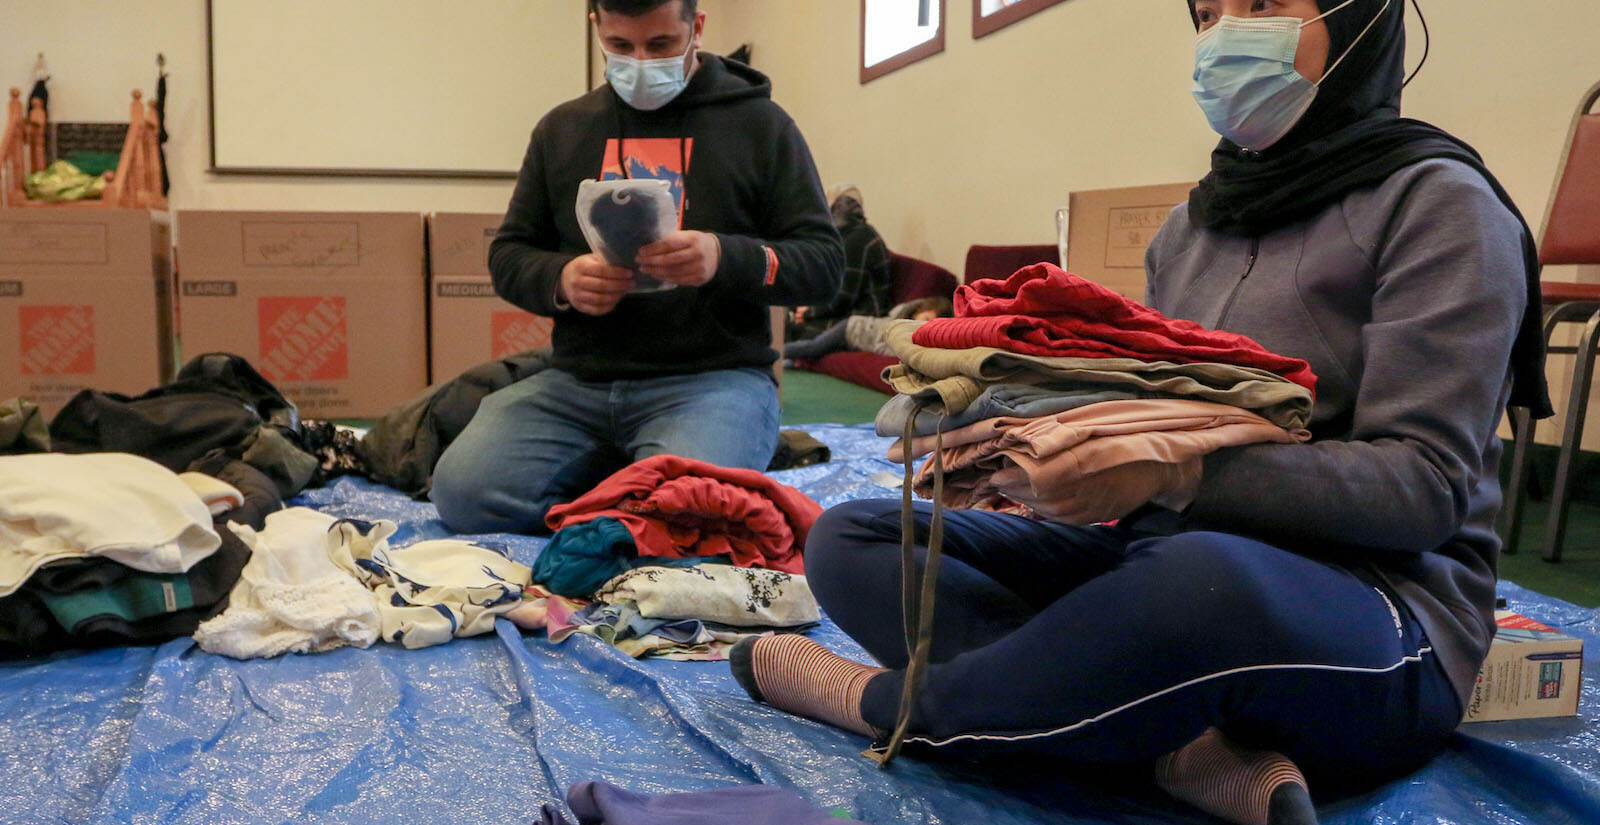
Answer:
(582, 557)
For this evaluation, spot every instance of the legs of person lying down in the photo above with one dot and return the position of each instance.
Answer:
(1138, 655)
(550, 438)
(830, 341)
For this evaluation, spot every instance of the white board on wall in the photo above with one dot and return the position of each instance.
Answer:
(407, 87)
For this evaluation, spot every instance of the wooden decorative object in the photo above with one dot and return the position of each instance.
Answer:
(136, 183)
(12, 152)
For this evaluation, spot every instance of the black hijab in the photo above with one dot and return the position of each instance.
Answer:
(1353, 137)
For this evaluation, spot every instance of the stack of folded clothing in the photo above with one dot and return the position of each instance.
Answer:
(1044, 379)
(677, 558)
(684, 613)
(109, 548)
(677, 507)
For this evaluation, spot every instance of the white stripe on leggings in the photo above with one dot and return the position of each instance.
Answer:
(996, 737)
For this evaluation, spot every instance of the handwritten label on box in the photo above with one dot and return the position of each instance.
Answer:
(301, 244)
(1129, 233)
(54, 243)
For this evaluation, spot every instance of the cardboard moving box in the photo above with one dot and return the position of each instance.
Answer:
(1532, 671)
(1108, 231)
(329, 306)
(467, 323)
(85, 302)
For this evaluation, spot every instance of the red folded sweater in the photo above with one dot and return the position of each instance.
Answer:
(678, 507)
(1042, 310)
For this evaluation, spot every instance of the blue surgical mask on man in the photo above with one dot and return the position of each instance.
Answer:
(648, 85)
(1245, 80)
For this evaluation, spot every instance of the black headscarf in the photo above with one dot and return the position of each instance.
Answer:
(1353, 137)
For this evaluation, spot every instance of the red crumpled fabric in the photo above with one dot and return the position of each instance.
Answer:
(1043, 310)
(679, 507)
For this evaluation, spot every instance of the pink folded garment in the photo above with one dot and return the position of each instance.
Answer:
(1054, 433)
(1029, 460)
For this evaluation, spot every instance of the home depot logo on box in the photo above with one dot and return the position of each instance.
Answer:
(304, 338)
(56, 340)
(514, 332)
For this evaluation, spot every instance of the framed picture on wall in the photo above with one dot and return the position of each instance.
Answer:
(898, 33)
(989, 16)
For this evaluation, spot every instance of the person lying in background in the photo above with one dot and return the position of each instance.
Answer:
(865, 333)
(866, 287)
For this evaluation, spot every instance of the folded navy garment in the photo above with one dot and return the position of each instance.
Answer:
(601, 803)
(626, 223)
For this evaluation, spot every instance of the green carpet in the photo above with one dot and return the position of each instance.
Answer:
(812, 398)
(1576, 578)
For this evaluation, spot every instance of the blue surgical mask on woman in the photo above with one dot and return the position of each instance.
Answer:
(648, 85)
(1245, 81)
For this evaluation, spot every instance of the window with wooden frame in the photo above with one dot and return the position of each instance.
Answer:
(989, 16)
(897, 33)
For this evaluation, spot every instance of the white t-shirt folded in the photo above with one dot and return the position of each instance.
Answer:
(131, 510)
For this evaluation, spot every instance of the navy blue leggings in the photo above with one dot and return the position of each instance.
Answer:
(1102, 645)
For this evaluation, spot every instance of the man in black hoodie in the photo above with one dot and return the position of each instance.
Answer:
(685, 371)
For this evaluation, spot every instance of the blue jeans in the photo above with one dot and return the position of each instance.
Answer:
(550, 438)
(1100, 644)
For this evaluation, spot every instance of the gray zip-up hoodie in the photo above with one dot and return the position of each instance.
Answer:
(1405, 299)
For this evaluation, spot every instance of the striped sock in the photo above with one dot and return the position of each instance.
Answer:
(1250, 787)
(793, 673)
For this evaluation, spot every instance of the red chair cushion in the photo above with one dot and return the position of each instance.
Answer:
(1563, 292)
(1572, 234)
(1002, 261)
(864, 369)
(913, 279)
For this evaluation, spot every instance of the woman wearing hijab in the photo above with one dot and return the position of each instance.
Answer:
(1287, 614)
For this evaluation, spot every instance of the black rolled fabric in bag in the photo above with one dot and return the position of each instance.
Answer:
(219, 404)
(402, 448)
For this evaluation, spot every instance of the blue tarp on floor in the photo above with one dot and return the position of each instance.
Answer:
(487, 729)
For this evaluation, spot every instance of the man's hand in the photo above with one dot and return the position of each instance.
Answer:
(686, 258)
(592, 286)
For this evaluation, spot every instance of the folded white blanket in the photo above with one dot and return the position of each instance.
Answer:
(122, 507)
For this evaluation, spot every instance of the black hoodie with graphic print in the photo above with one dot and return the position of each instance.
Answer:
(750, 180)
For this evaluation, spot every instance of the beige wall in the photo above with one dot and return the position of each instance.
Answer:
(980, 144)
(98, 51)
